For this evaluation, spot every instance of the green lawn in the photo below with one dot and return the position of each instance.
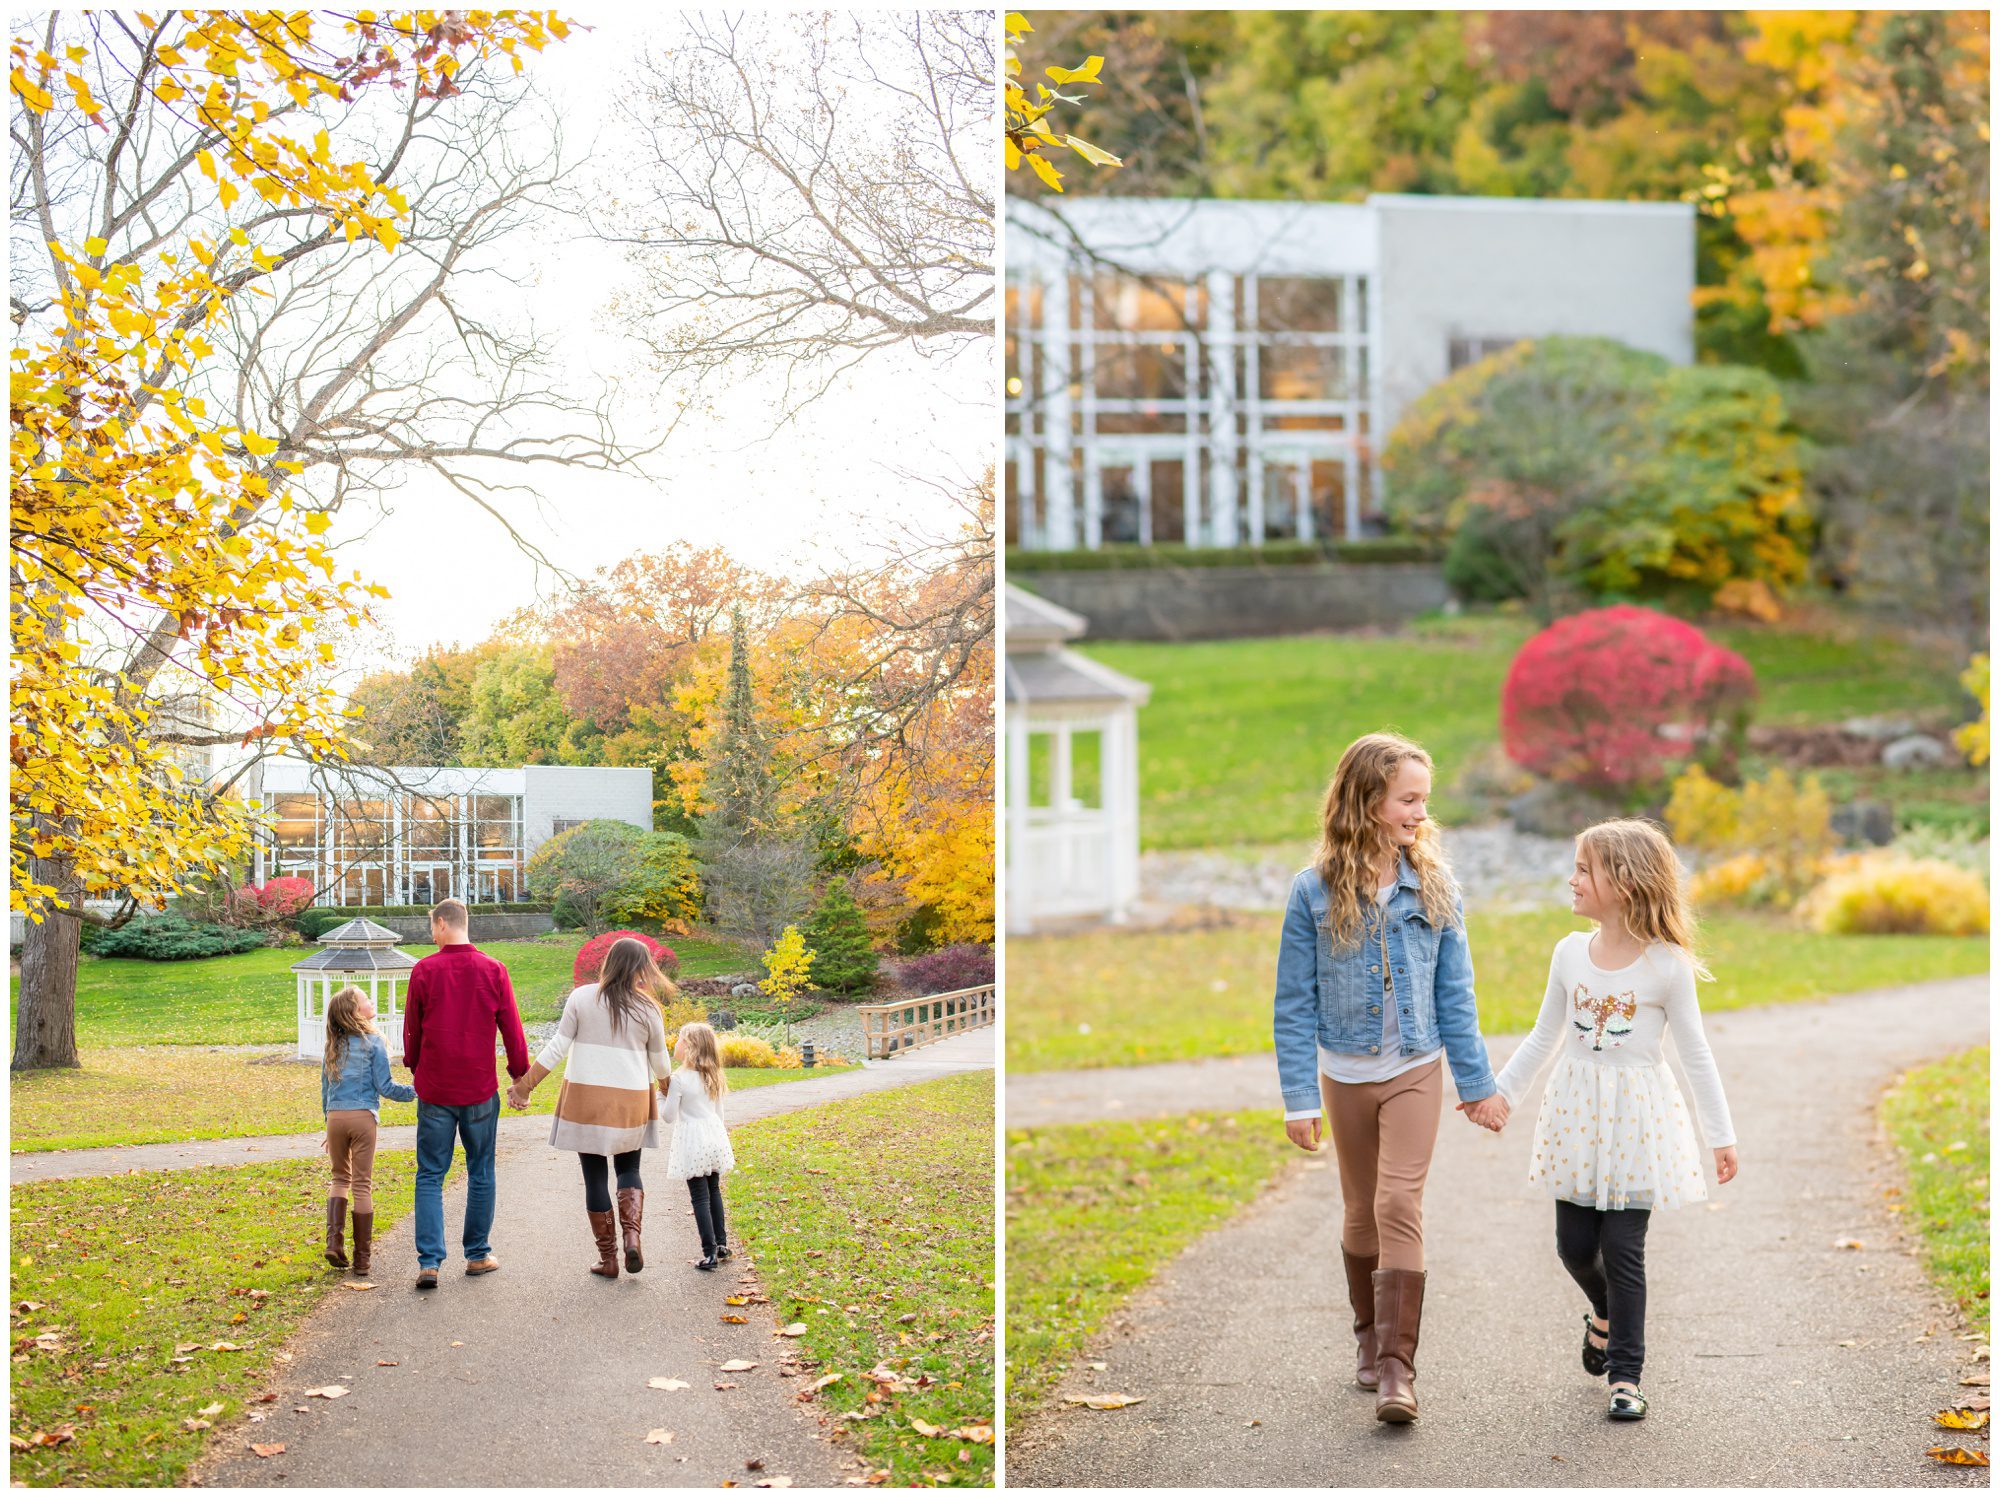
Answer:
(1240, 735)
(871, 1221)
(122, 1291)
(1939, 1117)
(1127, 998)
(252, 998)
(1093, 1210)
(166, 1094)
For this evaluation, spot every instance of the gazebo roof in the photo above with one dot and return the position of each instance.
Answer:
(1033, 623)
(1065, 676)
(357, 946)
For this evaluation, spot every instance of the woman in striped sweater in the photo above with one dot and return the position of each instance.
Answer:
(615, 1038)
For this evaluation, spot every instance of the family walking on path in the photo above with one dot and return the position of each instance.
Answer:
(458, 1003)
(1375, 985)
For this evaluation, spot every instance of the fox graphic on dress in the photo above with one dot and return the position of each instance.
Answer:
(1613, 1015)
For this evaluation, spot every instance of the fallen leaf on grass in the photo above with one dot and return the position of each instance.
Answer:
(1957, 1456)
(193, 1424)
(62, 1435)
(210, 1409)
(19, 1443)
(1104, 1401)
(737, 1365)
(1963, 1419)
(276, 1448)
(659, 1438)
(831, 1378)
(979, 1435)
(327, 1391)
(223, 1347)
(668, 1384)
(925, 1428)
(796, 1329)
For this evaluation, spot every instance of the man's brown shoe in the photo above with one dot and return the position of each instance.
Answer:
(427, 1279)
(483, 1266)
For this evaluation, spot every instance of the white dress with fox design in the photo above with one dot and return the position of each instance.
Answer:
(1614, 1130)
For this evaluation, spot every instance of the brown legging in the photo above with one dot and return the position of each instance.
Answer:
(350, 1144)
(1383, 1136)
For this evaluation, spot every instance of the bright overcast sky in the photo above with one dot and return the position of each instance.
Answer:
(813, 492)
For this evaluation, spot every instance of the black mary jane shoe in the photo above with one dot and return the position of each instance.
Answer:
(724, 1251)
(1627, 1404)
(1596, 1360)
(707, 1261)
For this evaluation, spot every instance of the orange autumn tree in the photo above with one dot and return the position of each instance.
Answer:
(149, 537)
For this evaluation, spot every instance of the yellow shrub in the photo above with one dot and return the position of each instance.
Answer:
(683, 1012)
(1734, 881)
(1892, 895)
(747, 1050)
(1975, 739)
(1703, 813)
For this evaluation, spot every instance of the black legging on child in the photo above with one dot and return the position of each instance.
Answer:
(706, 1194)
(596, 1194)
(1605, 1253)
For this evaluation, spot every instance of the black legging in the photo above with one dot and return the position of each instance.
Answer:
(706, 1194)
(596, 1193)
(1605, 1253)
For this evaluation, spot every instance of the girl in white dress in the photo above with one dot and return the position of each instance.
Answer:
(1614, 1141)
(700, 1152)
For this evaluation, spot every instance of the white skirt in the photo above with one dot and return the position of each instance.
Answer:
(700, 1147)
(1613, 1137)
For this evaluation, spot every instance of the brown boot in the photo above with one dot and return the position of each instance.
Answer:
(605, 1230)
(336, 1222)
(631, 1207)
(1399, 1312)
(1361, 1295)
(364, 1242)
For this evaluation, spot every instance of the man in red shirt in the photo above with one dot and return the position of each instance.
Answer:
(457, 1001)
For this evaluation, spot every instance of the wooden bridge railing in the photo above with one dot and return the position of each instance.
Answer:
(891, 1029)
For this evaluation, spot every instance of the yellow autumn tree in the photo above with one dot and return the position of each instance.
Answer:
(1030, 138)
(148, 535)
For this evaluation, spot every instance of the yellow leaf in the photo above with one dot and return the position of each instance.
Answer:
(260, 445)
(1092, 154)
(1104, 1401)
(1043, 170)
(1085, 74)
(317, 523)
(1964, 1419)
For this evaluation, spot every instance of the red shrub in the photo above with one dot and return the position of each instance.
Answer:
(1609, 698)
(590, 956)
(278, 900)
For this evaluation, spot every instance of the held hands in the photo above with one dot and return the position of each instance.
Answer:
(517, 1096)
(1725, 1164)
(1304, 1132)
(1488, 1112)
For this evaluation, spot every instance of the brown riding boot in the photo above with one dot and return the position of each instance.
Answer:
(605, 1230)
(336, 1222)
(364, 1242)
(1361, 1295)
(631, 1207)
(1399, 1312)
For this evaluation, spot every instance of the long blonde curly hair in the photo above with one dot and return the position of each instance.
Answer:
(1352, 841)
(1636, 857)
(700, 1053)
(341, 1024)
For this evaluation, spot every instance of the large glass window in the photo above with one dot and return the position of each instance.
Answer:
(1298, 304)
(296, 825)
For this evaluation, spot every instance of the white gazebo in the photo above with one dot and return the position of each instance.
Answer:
(1072, 772)
(364, 954)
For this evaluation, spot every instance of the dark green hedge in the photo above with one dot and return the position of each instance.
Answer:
(1126, 557)
(171, 938)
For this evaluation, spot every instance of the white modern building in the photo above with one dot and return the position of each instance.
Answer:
(1224, 373)
(414, 835)
(1072, 772)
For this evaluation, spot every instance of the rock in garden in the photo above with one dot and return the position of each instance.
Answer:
(1917, 751)
(1879, 726)
(1869, 822)
(744, 991)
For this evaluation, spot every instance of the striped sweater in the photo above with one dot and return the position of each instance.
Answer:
(606, 1106)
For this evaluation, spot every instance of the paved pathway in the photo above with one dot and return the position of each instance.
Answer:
(972, 1051)
(1775, 1358)
(537, 1375)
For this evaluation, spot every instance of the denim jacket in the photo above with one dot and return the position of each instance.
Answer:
(364, 1078)
(1334, 999)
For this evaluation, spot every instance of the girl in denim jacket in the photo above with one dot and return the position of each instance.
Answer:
(353, 1080)
(1374, 986)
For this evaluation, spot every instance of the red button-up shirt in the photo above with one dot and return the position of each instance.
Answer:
(457, 1000)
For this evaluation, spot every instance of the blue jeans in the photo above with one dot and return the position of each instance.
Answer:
(439, 1126)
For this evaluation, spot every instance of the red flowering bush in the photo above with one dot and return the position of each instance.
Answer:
(278, 900)
(948, 969)
(590, 956)
(1609, 698)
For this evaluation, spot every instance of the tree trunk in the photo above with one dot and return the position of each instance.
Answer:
(45, 1031)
